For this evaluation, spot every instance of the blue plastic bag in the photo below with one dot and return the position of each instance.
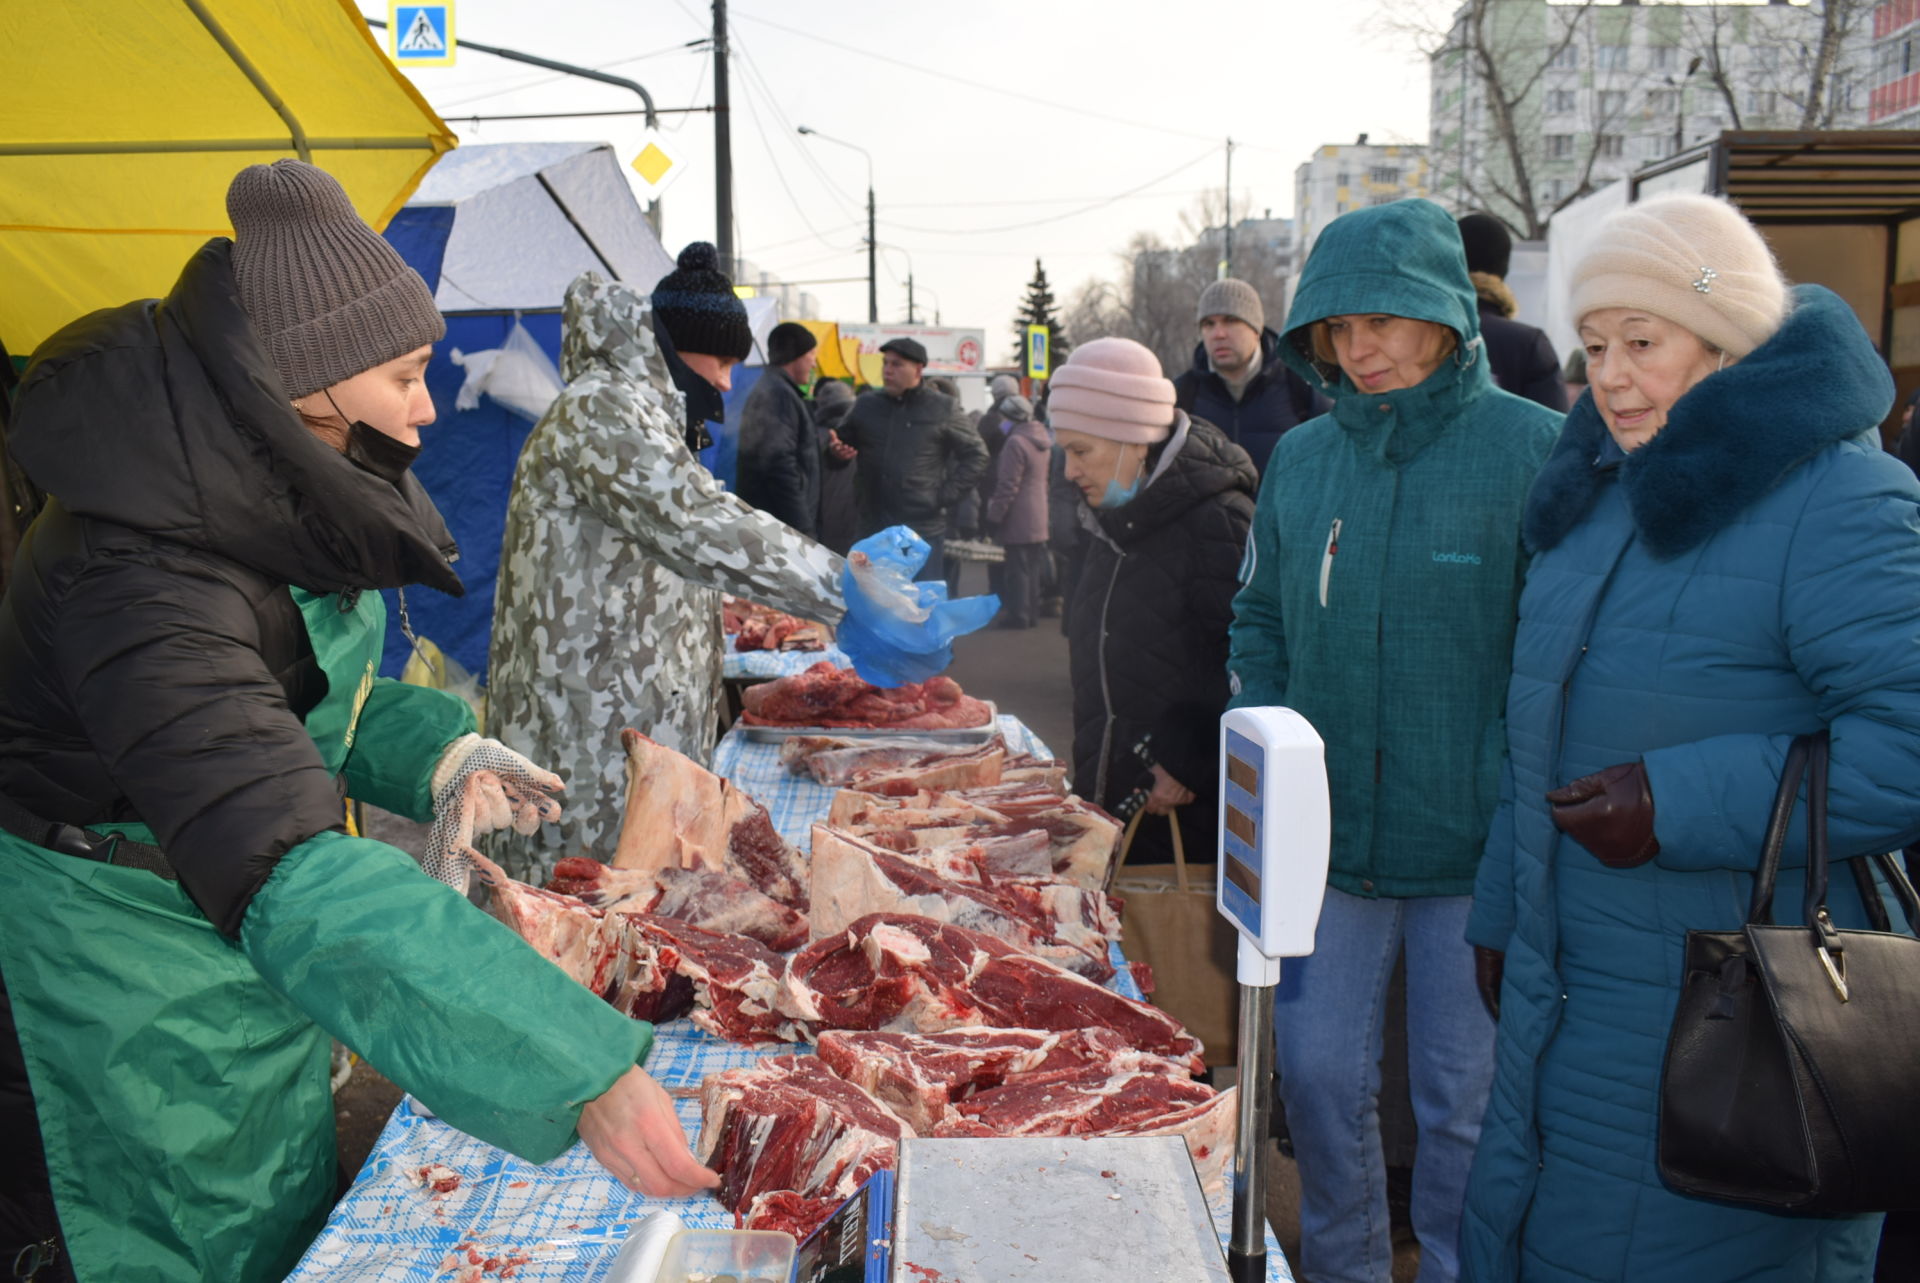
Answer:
(898, 630)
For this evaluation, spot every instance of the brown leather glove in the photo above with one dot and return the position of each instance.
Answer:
(1610, 813)
(1488, 966)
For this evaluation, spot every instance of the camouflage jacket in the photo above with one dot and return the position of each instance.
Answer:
(617, 547)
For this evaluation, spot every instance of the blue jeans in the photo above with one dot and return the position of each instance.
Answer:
(1328, 1016)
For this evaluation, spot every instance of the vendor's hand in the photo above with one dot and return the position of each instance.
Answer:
(1489, 965)
(840, 449)
(1167, 793)
(635, 1134)
(485, 786)
(1610, 813)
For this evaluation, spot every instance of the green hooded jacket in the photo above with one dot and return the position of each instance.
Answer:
(1380, 586)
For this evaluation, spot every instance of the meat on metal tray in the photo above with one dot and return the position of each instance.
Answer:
(951, 734)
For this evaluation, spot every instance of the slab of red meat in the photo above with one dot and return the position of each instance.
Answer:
(1094, 1100)
(954, 769)
(739, 988)
(1047, 917)
(1082, 837)
(790, 1123)
(574, 936)
(787, 1211)
(893, 971)
(716, 901)
(826, 695)
(682, 816)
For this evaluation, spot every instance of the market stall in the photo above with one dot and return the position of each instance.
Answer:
(431, 1202)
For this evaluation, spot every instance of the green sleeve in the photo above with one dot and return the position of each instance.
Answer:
(436, 995)
(397, 742)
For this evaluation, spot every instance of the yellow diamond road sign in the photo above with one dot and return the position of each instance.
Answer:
(658, 164)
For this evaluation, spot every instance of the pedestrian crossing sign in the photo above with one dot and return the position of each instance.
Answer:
(1038, 358)
(420, 35)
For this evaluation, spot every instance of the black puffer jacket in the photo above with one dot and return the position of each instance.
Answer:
(1147, 631)
(153, 665)
(780, 452)
(918, 454)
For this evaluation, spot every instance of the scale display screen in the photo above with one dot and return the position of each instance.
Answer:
(1242, 816)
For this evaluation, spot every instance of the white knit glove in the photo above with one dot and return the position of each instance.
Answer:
(482, 786)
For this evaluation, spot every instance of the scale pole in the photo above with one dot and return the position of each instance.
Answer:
(1247, 1248)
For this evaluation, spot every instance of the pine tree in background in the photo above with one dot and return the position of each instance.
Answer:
(1038, 309)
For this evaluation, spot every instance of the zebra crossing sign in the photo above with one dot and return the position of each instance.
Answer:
(420, 35)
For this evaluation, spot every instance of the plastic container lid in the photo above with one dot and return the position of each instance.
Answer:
(744, 1256)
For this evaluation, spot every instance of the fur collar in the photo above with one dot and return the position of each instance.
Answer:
(1492, 292)
(1730, 439)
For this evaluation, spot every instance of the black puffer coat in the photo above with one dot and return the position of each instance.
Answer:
(780, 452)
(1147, 632)
(187, 496)
(919, 453)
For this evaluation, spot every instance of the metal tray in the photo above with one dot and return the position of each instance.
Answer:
(953, 735)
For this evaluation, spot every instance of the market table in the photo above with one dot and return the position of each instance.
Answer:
(565, 1221)
(764, 665)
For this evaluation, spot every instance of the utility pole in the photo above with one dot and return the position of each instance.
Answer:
(873, 257)
(909, 296)
(722, 144)
(1226, 260)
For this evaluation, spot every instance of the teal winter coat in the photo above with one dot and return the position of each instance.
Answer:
(1381, 581)
(1750, 574)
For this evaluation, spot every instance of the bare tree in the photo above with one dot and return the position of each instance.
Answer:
(1790, 60)
(1839, 19)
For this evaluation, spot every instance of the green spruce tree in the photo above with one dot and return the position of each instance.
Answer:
(1038, 309)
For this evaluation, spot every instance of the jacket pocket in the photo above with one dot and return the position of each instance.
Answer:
(1326, 559)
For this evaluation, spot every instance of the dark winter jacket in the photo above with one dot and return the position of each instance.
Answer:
(1749, 574)
(1522, 359)
(839, 511)
(779, 471)
(153, 665)
(1386, 565)
(1017, 511)
(918, 454)
(1274, 400)
(1147, 630)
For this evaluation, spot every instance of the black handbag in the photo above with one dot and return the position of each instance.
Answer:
(1792, 1075)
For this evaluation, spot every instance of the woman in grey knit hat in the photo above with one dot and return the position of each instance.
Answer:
(188, 648)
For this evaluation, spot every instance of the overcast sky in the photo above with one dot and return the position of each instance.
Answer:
(1000, 131)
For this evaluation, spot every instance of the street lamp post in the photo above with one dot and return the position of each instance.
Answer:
(1680, 104)
(873, 281)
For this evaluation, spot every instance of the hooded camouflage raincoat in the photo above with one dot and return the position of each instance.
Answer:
(618, 545)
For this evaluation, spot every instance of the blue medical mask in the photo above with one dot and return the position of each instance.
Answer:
(1116, 496)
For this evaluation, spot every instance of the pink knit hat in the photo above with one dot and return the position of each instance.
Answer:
(1112, 388)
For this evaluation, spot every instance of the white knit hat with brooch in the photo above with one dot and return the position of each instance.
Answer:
(1692, 260)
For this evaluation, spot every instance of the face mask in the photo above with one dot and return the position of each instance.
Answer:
(1115, 496)
(371, 450)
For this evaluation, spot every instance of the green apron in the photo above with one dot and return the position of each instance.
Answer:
(184, 1100)
(184, 1105)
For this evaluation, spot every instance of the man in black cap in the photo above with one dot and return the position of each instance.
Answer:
(779, 470)
(916, 453)
(1519, 355)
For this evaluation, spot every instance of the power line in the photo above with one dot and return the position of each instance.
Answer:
(974, 84)
(753, 112)
(848, 205)
(1072, 213)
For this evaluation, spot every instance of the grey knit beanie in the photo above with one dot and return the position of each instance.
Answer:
(328, 297)
(1233, 298)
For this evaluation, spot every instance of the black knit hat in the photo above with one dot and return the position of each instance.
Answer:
(789, 342)
(697, 305)
(1488, 244)
(907, 349)
(327, 296)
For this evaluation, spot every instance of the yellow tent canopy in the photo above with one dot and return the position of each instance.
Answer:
(126, 119)
(839, 356)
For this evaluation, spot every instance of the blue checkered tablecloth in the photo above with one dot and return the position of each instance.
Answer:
(769, 664)
(569, 1217)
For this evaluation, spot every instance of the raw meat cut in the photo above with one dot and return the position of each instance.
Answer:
(971, 852)
(755, 627)
(828, 696)
(784, 1210)
(921, 1076)
(1094, 1100)
(790, 1123)
(830, 760)
(895, 971)
(1208, 1127)
(739, 990)
(682, 816)
(574, 936)
(1046, 917)
(1028, 769)
(974, 768)
(1083, 838)
(716, 901)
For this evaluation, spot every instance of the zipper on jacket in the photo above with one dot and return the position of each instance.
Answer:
(1106, 691)
(1326, 559)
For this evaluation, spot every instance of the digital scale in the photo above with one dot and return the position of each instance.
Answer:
(1275, 830)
